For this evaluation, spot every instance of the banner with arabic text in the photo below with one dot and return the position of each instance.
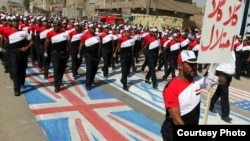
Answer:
(219, 30)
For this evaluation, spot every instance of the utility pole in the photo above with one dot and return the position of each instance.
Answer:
(148, 7)
(44, 4)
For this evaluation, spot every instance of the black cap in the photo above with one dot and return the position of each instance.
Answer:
(56, 23)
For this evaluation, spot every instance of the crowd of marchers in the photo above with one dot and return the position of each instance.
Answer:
(53, 40)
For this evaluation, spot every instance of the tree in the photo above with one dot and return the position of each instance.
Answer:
(3, 8)
(26, 4)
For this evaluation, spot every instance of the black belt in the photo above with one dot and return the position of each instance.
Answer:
(91, 53)
(59, 51)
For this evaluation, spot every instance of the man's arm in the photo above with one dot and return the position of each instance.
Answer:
(24, 49)
(46, 46)
(176, 115)
(81, 46)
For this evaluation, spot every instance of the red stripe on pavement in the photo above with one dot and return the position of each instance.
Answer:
(82, 133)
(145, 136)
(46, 88)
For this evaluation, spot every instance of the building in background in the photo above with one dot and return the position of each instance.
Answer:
(184, 9)
(12, 7)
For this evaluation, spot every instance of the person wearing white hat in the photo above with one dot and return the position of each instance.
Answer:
(173, 48)
(151, 49)
(74, 43)
(195, 46)
(56, 44)
(238, 45)
(115, 59)
(18, 54)
(91, 46)
(42, 32)
(245, 57)
(3, 27)
(36, 33)
(125, 48)
(107, 47)
(222, 91)
(182, 94)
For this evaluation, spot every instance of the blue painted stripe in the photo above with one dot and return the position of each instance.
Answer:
(140, 120)
(56, 129)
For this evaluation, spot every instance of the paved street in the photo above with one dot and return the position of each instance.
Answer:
(107, 112)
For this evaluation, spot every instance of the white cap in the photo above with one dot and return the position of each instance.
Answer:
(186, 56)
(175, 35)
(198, 36)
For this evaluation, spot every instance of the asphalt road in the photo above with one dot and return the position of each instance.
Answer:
(17, 123)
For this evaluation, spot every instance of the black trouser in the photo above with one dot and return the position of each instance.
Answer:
(113, 60)
(222, 92)
(167, 130)
(133, 64)
(6, 59)
(199, 65)
(46, 64)
(152, 57)
(161, 61)
(39, 53)
(33, 54)
(59, 60)
(137, 50)
(126, 62)
(238, 64)
(17, 65)
(91, 60)
(166, 64)
(145, 60)
(76, 62)
(172, 66)
(43, 62)
(107, 56)
(245, 64)
(1, 55)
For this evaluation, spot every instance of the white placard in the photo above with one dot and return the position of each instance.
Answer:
(219, 30)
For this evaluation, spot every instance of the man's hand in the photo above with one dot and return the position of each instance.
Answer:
(211, 80)
(45, 54)
(23, 49)
(79, 56)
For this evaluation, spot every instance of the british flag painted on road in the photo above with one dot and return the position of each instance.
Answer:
(74, 114)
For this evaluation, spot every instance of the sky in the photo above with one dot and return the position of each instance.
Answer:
(200, 3)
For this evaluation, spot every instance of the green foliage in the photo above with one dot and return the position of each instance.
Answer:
(26, 4)
(3, 8)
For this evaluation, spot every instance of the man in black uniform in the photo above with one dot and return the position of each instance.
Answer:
(18, 43)
(106, 49)
(90, 44)
(152, 48)
(42, 33)
(59, 52)
(74, 42)
(125, 48)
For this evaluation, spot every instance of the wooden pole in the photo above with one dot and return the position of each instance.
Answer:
(209, 96)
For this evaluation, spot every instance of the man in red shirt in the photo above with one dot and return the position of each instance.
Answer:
(90, 44)
(238, 50)
(58, 42)
(74, 42)
(182, 94)
(151, 48)
(18, 47)
(125, 48)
